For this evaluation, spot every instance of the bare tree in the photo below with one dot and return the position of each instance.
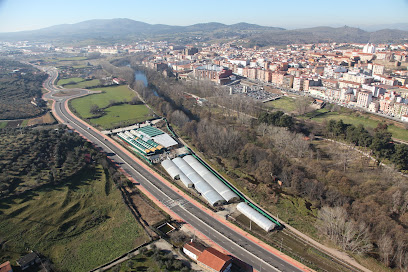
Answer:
(385, 248)
(302, 105)
(347, 233)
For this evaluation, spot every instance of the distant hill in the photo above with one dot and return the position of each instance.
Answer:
(328, 34)
(401, 26)
(129, 30)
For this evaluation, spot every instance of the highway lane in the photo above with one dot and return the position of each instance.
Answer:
(235, 243)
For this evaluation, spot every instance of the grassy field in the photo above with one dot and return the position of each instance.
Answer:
(118, 93)
(116, 115)
(69, 80)
(72, 58)
(3, 124)
(24, 123)
(79, 225)
(323, 114)
(285, 103)
(122, 115)
(84, 84)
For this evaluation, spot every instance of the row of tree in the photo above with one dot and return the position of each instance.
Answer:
(381, 143)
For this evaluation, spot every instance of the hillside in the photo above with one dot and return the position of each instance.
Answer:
(129, 30)
(19, 84)
(58, 197)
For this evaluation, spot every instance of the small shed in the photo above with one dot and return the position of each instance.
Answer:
(28, 260)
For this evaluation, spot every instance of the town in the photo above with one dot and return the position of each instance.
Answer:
(368, 77)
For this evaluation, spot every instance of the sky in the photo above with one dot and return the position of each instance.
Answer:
(17, 15)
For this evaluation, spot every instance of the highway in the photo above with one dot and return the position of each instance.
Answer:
(238, 245)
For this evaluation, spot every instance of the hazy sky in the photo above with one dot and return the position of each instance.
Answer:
(16, 15)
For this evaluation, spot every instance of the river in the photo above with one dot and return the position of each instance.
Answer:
(141, 76)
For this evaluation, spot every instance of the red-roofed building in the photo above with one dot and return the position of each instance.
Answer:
(193, 250)
(6, 267)
(213, 260)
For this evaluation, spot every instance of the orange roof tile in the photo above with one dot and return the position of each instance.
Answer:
(195, 248)
(5, 267)
(213, 258)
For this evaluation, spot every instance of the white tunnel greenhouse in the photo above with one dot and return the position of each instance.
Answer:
(256, 217)
(171, 168)
(211, 179)
(176, 173)
(200, 184)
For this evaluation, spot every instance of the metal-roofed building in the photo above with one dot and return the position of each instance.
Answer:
(200, 184)
(165, 140)
(150, 131)
(209, 177)
(256, 217)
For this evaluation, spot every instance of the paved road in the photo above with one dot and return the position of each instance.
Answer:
(238, 245)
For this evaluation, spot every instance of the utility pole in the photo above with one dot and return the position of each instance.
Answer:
(250, 224)
(281, 245)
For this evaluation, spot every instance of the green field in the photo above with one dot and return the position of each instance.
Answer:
(323, 114)
(24, 123)
(285, 103)
(122, 115)
(84, 84)
(118, 93)
(117, 115)
(69, 80)
(3, 124)
(79, 225)
(72, 58)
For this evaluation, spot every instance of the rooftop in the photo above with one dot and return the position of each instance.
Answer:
(5, 267)
(150, 131)
(30, 257)
(213, 258)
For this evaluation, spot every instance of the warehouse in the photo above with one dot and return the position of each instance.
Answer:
(256, 217)
(211, 179)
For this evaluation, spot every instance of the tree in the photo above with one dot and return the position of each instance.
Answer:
(143, 251)
(382, 144)
(95, 109)
(350, 235)
(400, 156)
(302, 105)
(385, 248)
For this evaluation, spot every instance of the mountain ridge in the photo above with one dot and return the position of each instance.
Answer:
(123, 29)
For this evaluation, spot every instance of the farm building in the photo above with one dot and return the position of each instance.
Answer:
(176, 173)
(213, 260)
(211, 179)
(158, 136)
(256, 217)
(200, 184)
(148, 141)
(208, 258)
(6, 267)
